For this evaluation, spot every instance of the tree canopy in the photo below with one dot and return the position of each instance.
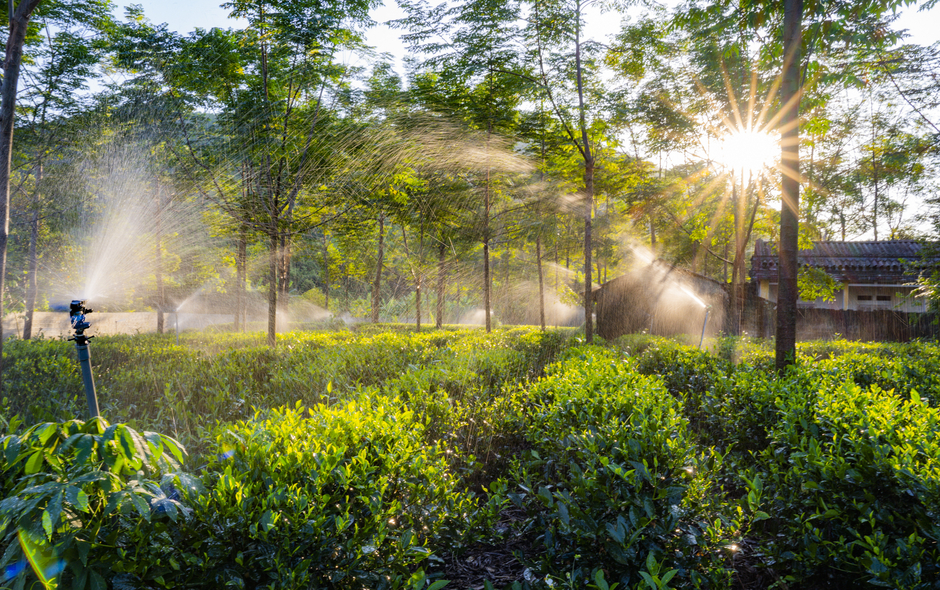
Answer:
(518, 158)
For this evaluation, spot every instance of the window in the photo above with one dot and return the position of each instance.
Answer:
(883, 298)
(864, 297)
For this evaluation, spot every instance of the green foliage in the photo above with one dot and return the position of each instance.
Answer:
(76, 493)
(864, 463)
(41, 381)
(375, 458)
(340, 496)
(814, 283)
(615, 481)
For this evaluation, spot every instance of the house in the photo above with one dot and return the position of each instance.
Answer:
(874, 275)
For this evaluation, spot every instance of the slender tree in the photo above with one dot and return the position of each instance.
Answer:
(19, 23)
(473, 51)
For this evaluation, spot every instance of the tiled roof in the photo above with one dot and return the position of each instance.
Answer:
(885, 262)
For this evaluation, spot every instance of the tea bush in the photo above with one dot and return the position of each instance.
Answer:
(853, 483)
(346, 496)
(614, 481)
(375, 457)
(42, 382)
(183, 390)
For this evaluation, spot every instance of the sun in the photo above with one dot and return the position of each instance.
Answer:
(748, 150)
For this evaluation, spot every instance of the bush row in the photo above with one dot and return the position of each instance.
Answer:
(644, 464)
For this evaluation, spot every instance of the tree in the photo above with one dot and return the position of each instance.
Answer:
(62, 62)
(811, 46)
(19, 24)
(477, 75)
(267, 157)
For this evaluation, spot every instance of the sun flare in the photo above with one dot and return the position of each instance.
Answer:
(749, 150)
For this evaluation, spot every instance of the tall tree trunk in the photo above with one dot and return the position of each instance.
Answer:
(283, 273)
(31, 279)
(737, 199)
(724, 277)
(588, 188)
(161, 299)
(19, 20)
(418, 303)
(377, 284)
(790, 163)
(326, 273)
(274, 243)
(241, 263)
(487, 287)
(874, 171)
(441, 278)
(556, 260)
(538, 263)
(31, 276)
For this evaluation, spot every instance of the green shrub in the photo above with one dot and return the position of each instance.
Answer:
(853, 477)
(614, 481)
(79, 498)
(347, 496)
(42, 381)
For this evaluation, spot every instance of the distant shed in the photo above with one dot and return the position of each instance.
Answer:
(660, 299)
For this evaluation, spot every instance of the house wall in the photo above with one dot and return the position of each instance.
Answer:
(894, 297)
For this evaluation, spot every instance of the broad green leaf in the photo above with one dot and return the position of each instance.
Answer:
(86, 446)
(267, 521)
(47, 524)
(141, 505)
(81, 580)
(45, 432)
(668, 576)
(760, 515)
(563, 513)
(54, 508)
(97, 582)
(34, 463)
(133, 447)
(12, 450)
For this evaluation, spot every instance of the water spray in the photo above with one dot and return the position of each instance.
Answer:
(77, 313)
(708, 308)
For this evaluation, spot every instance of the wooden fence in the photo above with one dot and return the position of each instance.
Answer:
(883, 325)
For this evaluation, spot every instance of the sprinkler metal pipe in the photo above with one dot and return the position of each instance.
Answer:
(176, 316)
(77, 312)
(708, 308)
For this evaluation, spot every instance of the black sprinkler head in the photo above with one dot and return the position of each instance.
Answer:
(77, 311)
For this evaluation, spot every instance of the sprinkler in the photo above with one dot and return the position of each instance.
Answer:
(708, 308)
(77, 312)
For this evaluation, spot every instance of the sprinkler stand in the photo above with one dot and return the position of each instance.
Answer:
(708, 308)
(77, 312)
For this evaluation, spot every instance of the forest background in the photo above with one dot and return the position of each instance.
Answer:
(280, 160)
